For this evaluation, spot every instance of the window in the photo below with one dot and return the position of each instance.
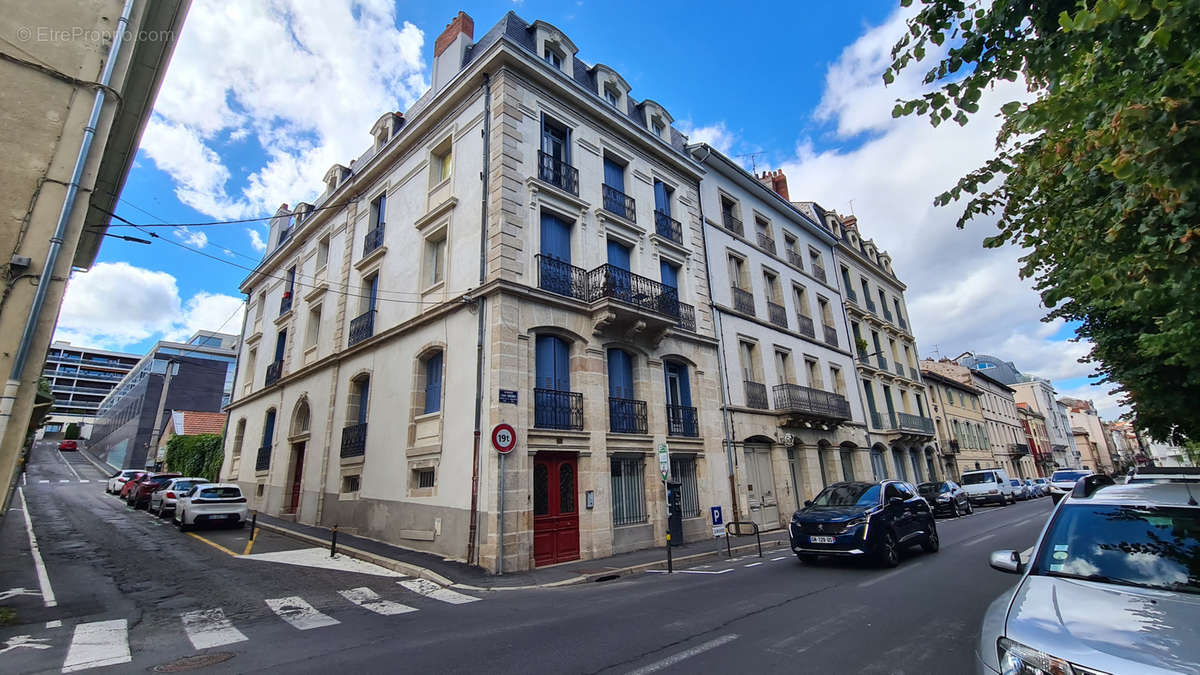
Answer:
(839, 383)
(683, 470)
(749, 356)
(262, 307)
(238, 437)
(552, 57)
(349, 483)
(378, 211)
(611, 95)
(658, 128)
(440, 163)
(268, 436)
(423, 478)
(737, 275)
(322, 252)
(435, 261)
(826, 313)
(369, 294)
(669, 274)
(251, 359)
(628, 491)
(772, 285)
(801, 298)
(783, 367)
(433, 383)
(313, 329)
(358, 400)
(789, 242)
(662, 198)
(815, 258)
(814, 374)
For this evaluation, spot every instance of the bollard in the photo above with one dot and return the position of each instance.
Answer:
(728, 546)
(333, 543)
(758, 539)
(253, 524)
(670, 561)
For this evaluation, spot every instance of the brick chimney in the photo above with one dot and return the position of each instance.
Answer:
(450, 47)
(776, 181)
(850, 222)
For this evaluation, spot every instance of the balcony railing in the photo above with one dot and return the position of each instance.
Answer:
(557, 409)
(795, 258)
(626, 416)
(902, 322)
(732, 224)
(687, 317)
(916, 423)
(777, 314)
(263, 461)
(954, 447)
(805, 325)
(818, 272)
(681, 421)
(274, 372)
(886, 313)
(373, 240)
(743, 301)
(562, 278)
(668, 227)
(558, 173)
(362, 327)
(798, 398)
(830, 335)
(766, 243)
(881, 361)
(870, 306)
(883, 420)
(610, 281)
(618, 203)
(354, 440)
(1018, 449)
(756, 395)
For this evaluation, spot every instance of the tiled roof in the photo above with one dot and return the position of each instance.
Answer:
(192, 422)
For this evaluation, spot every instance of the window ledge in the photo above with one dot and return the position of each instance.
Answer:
(370, 258)
(669, 244)
(441, 285)
(352, 461)
(316, 292)
(348, 496)
(284, 318)
(436, 212)
(254, 337)
(427, 416)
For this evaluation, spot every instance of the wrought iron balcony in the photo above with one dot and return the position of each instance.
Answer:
(766, 243)
(562, 278)
(618, 203)
(732, 224)
(818, 272)
(954, 447)
(554, 409)
(1018, 449)
(743, 301)
(274, 372)
(285, 303)
(805, 325)
(830, 335)
(682, 421)
(917, 423)
(795, 258)
(373, 240)
(668, 227)
(870, 306)
(263, 461)
(354, 440)
(883, 420)
(810, 402)
(558, 173)
(756, 395)
(362, 327)
(626, 416)
(777, 314)
(687, 317)
(610, 281)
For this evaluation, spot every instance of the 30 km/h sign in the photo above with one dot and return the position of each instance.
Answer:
(504, 438)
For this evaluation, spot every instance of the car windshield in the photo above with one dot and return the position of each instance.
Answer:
(184, 485)
(977, 478)
(1143, 546)
(220, 493)
(932, 488)
(848, 494)
(1064, 476)
(1040, 481)
(1015, 482)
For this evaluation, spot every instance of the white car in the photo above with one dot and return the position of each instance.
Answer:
(118, 480)
(1063, 481)
(211, 503)
(163, 499)
(989, 485)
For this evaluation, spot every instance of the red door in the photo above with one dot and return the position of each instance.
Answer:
(555, 509)
(297, 474)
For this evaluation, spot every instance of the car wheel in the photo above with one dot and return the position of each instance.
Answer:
(970, 508)
(183, 526)
(954, 510)
(889, 555)
(241, 525)
(931, 543)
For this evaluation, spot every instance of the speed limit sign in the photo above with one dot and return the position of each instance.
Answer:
(504, 438)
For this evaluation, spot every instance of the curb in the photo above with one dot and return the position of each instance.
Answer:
(97, 463)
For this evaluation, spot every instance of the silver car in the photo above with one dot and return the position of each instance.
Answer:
(163, 499)
(1113, 587)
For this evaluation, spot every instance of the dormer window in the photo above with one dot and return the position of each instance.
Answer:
(612, 96)
(553, 58)
(658, 128)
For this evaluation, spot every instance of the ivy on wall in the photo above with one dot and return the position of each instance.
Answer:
(198, 455)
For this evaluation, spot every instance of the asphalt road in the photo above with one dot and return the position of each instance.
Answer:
(125, 580)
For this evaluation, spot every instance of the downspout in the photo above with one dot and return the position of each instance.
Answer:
(39, 297)
(472, 535)
(726, 414)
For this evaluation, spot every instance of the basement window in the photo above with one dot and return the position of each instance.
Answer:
(350, 483)
(423, 478)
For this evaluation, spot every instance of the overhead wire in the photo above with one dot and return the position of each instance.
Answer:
(214, 223)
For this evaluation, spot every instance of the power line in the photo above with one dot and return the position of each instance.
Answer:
(218, 244)
(212, 223)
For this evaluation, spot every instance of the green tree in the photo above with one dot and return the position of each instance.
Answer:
(1096, 179)
(197, 455)
(71, 432)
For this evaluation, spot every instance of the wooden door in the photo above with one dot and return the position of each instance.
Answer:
(297, 474)
(555, 508)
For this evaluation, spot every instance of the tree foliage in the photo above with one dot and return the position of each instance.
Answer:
(71, 433)
(1096, 178)
(197, 455)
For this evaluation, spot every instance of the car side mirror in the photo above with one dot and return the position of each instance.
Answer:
(1007, 561)
(895, 500)
(807, 503)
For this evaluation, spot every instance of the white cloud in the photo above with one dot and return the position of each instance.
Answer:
(716, 135)
(256, 240)
(192, 237)
(246, 71)
(116, 305)
(1107, 404)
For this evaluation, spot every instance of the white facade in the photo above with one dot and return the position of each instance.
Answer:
(1039, 394)
(1005, 433)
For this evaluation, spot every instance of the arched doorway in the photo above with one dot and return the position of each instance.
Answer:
(846, 453)
(878, 462)
(298, 435)
(761, 496)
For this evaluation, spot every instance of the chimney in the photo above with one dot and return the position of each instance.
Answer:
(850, 222)
(449, 49)
(776, 181)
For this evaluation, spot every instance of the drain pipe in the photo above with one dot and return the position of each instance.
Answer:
(480, 303)
(726, 414)
(60, 231)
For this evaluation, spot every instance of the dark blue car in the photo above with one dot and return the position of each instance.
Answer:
(858, 519)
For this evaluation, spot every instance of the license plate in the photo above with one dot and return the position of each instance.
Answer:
(820, 540)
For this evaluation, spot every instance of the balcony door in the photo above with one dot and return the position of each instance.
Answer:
(551, 404)
(614, 176)
(621, 408)
(618, 281)
(555, 508)
(669, 274)
(662, 198)
(681, 417)
(555, 140)
(555, 273)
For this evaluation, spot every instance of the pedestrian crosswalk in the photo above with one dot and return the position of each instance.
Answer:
(369, 599)
(209, 628)
(99, 643)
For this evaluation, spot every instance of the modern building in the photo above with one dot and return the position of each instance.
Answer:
(1083, 415)
(80, 378)
(995, 367)
(794, 414)
(960, 426)
(522, 246)
(1038, 394)
(1034, 425)
(196, 375)
(73, 110)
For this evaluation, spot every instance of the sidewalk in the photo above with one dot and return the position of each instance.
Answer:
(460, 575)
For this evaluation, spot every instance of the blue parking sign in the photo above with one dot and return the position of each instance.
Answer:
(716, 515)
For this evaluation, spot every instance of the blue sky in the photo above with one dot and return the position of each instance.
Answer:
(783, 85)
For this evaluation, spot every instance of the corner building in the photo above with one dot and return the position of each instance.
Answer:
(523, 245)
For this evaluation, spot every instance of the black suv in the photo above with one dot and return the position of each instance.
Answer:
(858, 519)
(946, 497)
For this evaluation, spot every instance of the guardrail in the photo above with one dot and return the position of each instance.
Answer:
(736, 526)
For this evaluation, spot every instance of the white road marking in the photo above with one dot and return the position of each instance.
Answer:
(369, 599)
(209, 628)
(64, 461)
(84, 480)
(753, 564)
(100, 643)
(64, 480)
(299, 613)
(56, 623)
(431, 590)
(685, 654)
(983, 538)
(319, 557)
(691, 571)
(38, 563)
(778, 559)
(878, 579)
(44, 480)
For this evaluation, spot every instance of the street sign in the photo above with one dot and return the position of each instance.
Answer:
(664, 461)
(508, 396)
(504, 438)
(718, 530)
(717, 518)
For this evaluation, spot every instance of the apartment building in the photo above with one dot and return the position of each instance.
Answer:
(80, 378)
(522, 246)
(1083, 415)
(1039, 395)
(795, 418)
(1005, 437)
(959, 423)
(1033, 424)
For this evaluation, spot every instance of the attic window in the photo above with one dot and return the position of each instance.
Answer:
(612, 96)
(658, 127)
(552, 57)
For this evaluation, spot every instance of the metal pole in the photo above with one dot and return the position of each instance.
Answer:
(759, 539)
(253, 524)
(500, 528)
(728, 546)
(670, 561)
(333, 542)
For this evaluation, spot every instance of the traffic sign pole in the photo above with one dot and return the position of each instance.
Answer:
(504, 439)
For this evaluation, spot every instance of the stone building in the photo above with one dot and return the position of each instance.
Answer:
(1033, 423)
(795, 418)
(960, 425)
(1039, 395)
(1083, 415)
(523, 246)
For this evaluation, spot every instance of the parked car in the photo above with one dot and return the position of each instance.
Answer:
(988, 485)
(68, 445)
(117, 480)
(132, 483)
(1020, 490)
(1043, 486)
(1063, 481)
(211, 503)
(163, 499)
(860, 519)
(139, 495)
(946, 497)
(1163, 474)
(1113, 586)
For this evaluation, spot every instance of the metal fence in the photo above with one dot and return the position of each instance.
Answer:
(628, 490)
(683, 470)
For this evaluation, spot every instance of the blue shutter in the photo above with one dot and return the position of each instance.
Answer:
(614, 175)
(669, 274)
(685, 388)
(433, 383)
(280, 344)
(618, 255)
(562, 366)
(556, 238)
(269, 428)
(553, 364)
(662, 201)
(364, 395)
(373, 292)
(620, 374)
